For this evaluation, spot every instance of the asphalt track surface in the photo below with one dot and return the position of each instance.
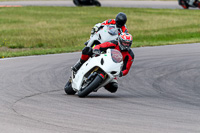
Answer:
(161, 94)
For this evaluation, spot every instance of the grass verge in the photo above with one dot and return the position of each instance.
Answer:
(48, 30)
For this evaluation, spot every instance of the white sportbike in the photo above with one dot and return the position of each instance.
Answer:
(95, 73)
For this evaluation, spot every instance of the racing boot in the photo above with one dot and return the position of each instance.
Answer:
(78, 65)
(111, 87)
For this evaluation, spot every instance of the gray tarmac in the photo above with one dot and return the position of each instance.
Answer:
(161, 94)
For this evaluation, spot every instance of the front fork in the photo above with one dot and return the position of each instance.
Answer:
(101, 73)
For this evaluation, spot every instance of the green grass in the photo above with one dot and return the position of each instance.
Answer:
(48, 30)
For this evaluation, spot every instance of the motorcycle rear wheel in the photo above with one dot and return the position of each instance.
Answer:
(91, 87)
(97, 3)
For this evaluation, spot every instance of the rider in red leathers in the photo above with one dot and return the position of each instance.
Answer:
(123, 45)
(119, 21)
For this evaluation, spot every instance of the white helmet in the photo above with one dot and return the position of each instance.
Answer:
(125, 41)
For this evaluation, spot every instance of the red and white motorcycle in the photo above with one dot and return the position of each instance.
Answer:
(95, 73)
(189, 3)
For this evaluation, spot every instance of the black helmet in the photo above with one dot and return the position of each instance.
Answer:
(120, 19)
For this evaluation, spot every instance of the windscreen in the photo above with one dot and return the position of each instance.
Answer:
(112, 30)
(116, 56)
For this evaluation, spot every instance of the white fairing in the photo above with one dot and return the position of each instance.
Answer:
(107, 33)
(105, 62)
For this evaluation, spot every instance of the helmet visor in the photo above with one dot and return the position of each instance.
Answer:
(112, 30)
(119, 23)
(126, 44)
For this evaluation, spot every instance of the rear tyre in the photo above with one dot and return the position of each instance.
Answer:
(91, 87)
(97, 3)
(68, 88)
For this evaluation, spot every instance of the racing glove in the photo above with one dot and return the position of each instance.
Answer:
(95, 28)
(96, 52)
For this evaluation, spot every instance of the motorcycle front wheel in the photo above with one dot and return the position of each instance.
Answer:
(90, 87)
(76, 2)
(68, 88)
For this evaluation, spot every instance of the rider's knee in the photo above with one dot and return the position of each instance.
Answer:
(87, 51)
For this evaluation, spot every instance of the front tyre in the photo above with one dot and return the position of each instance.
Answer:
(68, 88)
(91, 87)
(76, 2)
